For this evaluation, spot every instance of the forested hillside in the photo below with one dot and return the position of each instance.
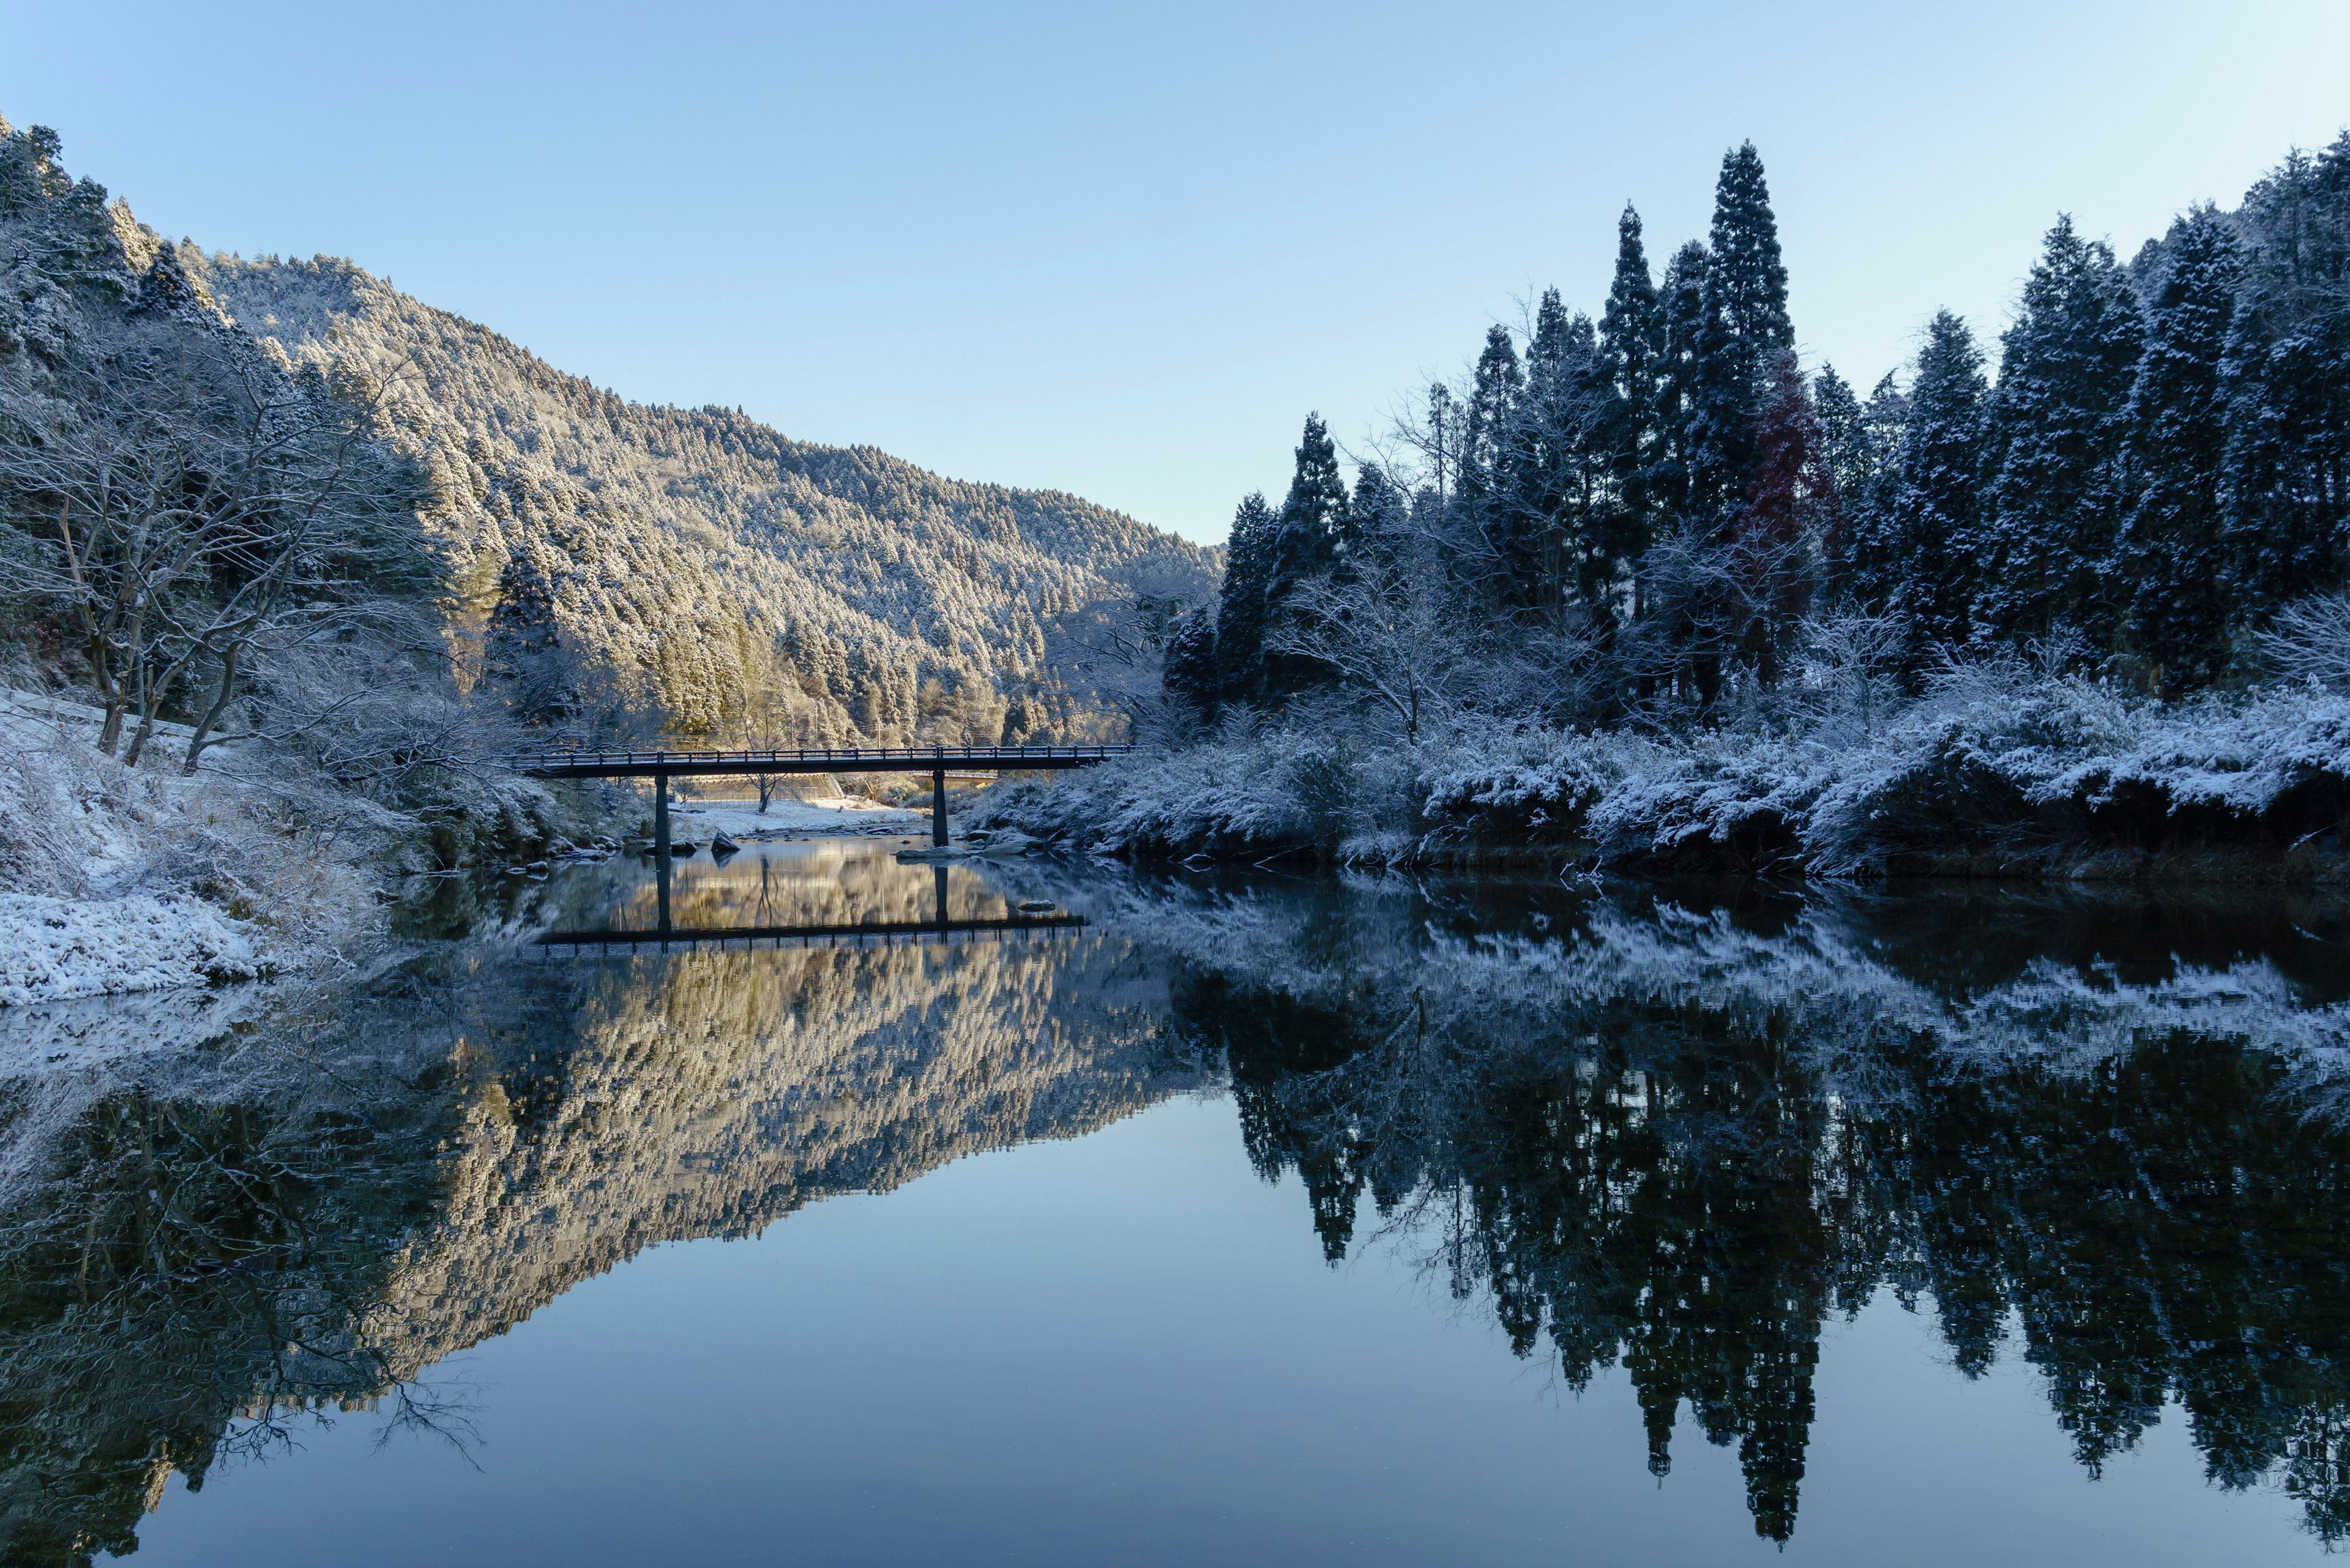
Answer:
(605, 565)
(710, 566)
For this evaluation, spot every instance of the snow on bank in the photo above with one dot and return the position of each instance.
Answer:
(743, 820)
(1998, 767)
(51, 948)
(116, 879)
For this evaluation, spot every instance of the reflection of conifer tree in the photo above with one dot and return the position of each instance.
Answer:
(1670, 1191)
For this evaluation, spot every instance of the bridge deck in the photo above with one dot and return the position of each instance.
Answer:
(586, 764)
(885, 932)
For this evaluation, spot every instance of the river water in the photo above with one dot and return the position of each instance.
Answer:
(1024, 1212)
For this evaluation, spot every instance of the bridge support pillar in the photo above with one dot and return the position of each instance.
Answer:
(661, 843)
(938, 807)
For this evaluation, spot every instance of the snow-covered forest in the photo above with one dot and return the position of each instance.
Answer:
(1646, 585)
(288, 561)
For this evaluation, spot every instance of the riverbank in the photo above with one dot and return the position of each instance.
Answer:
(2002, 773)
(118, 879)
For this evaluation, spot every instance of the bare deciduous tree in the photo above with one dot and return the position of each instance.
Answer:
(186, 504)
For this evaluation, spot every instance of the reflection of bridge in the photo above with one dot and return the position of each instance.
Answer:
(936, 760)
(939, 927)
(878, 933)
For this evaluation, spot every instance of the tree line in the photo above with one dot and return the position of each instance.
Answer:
(1656, 511)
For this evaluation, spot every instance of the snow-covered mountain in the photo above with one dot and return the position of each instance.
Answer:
(696, 553)
(689, 563)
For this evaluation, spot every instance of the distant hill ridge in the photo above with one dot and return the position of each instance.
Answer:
(695, 551)
(694, 561)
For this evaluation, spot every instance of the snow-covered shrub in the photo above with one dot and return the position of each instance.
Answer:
(1531, 781)
(1712, 801)
(2309, 642)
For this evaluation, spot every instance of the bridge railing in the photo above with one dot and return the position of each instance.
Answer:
(815, 759)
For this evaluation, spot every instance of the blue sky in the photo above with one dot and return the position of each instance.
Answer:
(1120, 251)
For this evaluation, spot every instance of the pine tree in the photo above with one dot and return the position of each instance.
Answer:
(1493, 393)
(1844, 447)
(1309, 540)
(1868, 565)
(2174, 541)
(1680, 400)
(1930, 575)
(1748, 276)
(1554, 463)
(1191, 673)
(1311, 533)
(1632, 345)
(1242, 603)
(2288, 462)
(2059, 424)
(1742, 331)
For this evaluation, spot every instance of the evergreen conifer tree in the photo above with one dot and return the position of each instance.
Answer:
(2288, 462)
(1493, 393)
(1242, 603)
(2059, 424)
(1748, 276)
(1844, 447)
(1680, 400)
(1554, 464)
(1742, 331)
(1309, 540)
(1631, 342)
(1311, 533)
(2174, 541)
(1191, 673)
(1930, 572)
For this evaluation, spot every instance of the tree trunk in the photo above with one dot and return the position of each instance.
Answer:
(221, 696)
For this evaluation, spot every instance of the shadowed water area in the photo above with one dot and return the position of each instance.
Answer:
(1023, 1211)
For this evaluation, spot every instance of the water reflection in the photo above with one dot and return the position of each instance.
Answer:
(1666, 1130)
(1681, 1143)
(308, 1216)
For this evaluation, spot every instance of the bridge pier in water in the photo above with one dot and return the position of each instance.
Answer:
(938, 807)
(660, 842)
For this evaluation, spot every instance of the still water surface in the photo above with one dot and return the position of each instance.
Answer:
(1265, 1220)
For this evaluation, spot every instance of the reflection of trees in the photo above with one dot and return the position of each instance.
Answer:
(310, 1215)
(1675, 1187)
(185, 1267)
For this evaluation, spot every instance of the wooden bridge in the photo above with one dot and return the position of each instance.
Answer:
(661, 766)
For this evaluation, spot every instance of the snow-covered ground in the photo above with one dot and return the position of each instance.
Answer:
(51, 948)
(116, 879)
(824, 816)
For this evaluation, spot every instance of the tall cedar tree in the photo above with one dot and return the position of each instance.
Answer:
(1869, 563)
(1241, 606)
(2174, 542)
(1844, 447)
(1743, 328)
(1191, 673)
(1309, 540)
(1930, 574)
(1679, 397)
(2059, 426)
(1553, 465)
(2287, 374)
(1495, 389)
(1632, 343)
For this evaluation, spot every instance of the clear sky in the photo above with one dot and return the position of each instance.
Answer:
(1122, 250)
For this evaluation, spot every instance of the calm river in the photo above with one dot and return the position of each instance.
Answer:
(1263, 1219)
